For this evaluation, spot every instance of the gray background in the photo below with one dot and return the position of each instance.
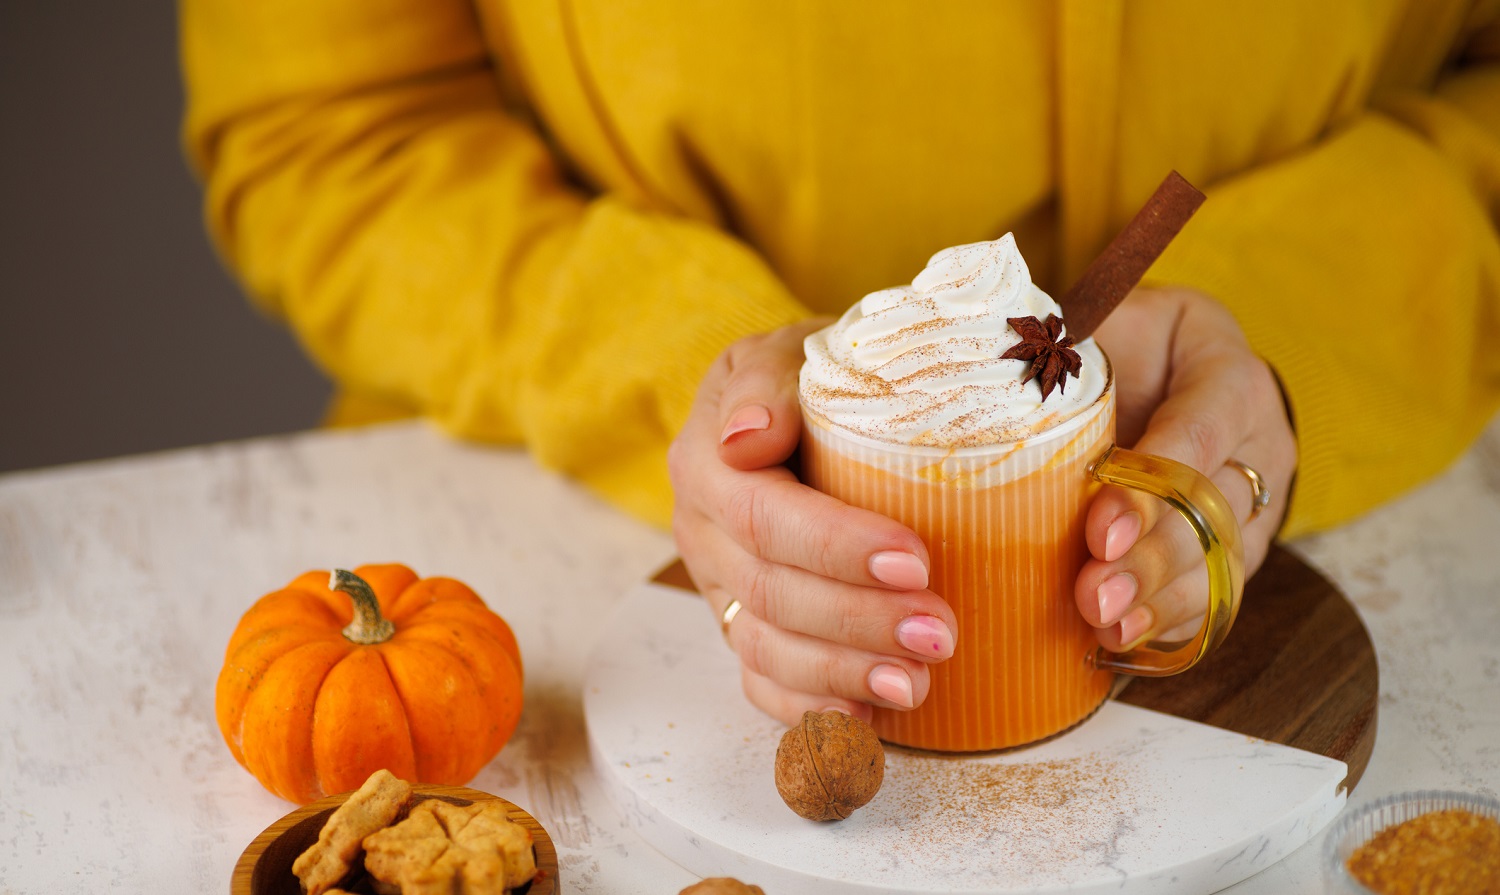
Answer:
(120, 332)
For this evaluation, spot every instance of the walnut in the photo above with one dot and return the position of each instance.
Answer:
(829, 765)
(721, 885)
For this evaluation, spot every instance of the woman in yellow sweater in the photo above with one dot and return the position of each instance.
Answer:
(541, 222)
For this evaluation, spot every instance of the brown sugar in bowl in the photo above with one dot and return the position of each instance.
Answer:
(1435, 870)
(265, 867)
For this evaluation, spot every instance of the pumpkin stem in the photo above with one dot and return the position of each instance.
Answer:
(369, 626)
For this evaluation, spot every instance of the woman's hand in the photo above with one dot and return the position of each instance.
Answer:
(1191, 390)
(835, 610)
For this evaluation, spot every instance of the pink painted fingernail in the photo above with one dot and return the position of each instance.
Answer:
(749, 418)
(899, 569)
(1122, 535)
(891, 683)
(1115, 596)
(925, 635)
(1135, 625)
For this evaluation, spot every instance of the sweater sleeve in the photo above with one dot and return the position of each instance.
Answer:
(367, 184)
(1366, 270)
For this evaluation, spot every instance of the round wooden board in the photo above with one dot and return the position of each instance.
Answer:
(1298, 668)
(265, 867)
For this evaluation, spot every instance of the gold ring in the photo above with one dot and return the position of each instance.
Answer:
(727, 616)
(1260, 495)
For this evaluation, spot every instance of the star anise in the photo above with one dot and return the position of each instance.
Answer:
(1052, 359)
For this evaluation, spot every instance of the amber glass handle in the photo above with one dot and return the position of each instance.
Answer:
(1190, 493)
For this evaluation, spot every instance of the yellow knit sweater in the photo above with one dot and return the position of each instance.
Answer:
(538, 221)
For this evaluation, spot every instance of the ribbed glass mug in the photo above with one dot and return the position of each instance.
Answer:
(1003, 524)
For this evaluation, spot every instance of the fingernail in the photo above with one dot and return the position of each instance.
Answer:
(899, 569)
(891, 683)
(1135, 625)
(1115, 596)
(1121, 536)
(925, 635)
(834, 708)
(746, 419)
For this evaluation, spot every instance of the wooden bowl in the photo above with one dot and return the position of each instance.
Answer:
(265, 867)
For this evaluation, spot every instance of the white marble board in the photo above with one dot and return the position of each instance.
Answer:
(1130, 801)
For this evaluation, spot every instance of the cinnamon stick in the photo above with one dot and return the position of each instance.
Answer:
(1120, 267)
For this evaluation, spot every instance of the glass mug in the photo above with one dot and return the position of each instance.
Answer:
(1003, 524)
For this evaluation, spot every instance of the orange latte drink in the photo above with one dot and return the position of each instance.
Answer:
(1004, 528)
(919, 404)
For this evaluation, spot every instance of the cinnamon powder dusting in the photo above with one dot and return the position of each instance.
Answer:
(1038, 816)
(911, 331)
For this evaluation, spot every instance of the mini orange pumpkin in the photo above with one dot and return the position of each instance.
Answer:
(319, 690)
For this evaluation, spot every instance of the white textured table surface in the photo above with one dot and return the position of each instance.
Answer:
(121, 581)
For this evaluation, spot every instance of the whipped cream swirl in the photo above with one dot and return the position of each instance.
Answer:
(921, 365)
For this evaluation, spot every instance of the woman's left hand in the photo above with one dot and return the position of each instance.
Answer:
(1191, 390)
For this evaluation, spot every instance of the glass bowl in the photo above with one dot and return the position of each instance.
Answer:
(1355, 829)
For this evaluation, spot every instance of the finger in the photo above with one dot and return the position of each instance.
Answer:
(1199, 423)
(1172, 614)
(916, 623)
(1271, 451)
(770, 514)
(1165, 570)
(1273, 455)
(704, 430)
(809, 665)
(1255, 534)
(1107, 592)
(773, 516)
(787, 705)
(759, 421)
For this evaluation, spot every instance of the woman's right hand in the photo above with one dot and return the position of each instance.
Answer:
(835, 610)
